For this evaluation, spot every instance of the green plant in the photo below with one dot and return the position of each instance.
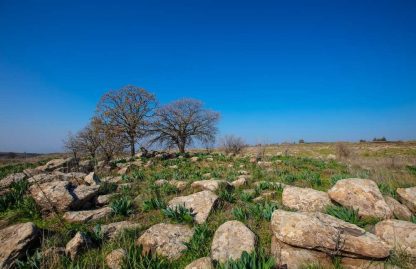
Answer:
(199, 245)
(413, 219)
(226, 194)
(263, 210)
(179, 214)
(387, 189)
(246, 196)
(122, 206)
(136, 259)
(138, 175)
(254, 260)
(400, 258)
(411, 169)
(349, 215)
(107, 187)
(32, 261)
(153, 203)
(239, 213)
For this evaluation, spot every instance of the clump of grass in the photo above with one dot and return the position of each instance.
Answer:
(387, 189)
(413, 219)
(263, 210)
(122, 206)
(255, 260)
(179, 214)
(411, 169)
(32, 261)
(246, 197)
(135, 259)
(199, 245)
(240, 213)
(138, 175)
(349, 215)
(335, 178)
(107, 187)
(153, 203)
(401, 258)
(226, 194)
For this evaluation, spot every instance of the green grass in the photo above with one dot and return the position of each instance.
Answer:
(122, 206)
(135, 259)
(153, 203)
(349, 215)
(179, 214)
(255, 260)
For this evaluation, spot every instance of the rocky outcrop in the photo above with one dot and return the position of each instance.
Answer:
(166, 240)
(15, 240)
(201, 263)
(77, 244)
(362, 195)
(231, 239)
(114, 259)
(305, 199)
(87, 215)
(201, 203)
(10, 179)
(325, 233)
(399, 211)
(92, 179)
(208, 185)
(408, 197)
(59, 164)
(113, 230)
(398, 234)
(104, 199)
(53, 195)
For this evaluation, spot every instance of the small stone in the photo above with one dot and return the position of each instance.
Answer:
(201, 263)
(239, 182)
(87, 215)
(210, 185)
(77, 244)
(114, 259)
(92, 179)
(115, 229)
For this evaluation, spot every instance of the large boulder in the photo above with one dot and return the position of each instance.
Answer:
(53, 195)
(325, 233)
(84, 196)
(15, 240)
(113, 230)
(398, 234)
(201, 203)
(230, 240)
(208, 185)
(87, 215)
(166, 240)
(297, 258)
(201, 263)
(10, 179)
(305, 199)
(114, 259)
(399, 210)
(408, 197)
(77, 244)
(362, 195)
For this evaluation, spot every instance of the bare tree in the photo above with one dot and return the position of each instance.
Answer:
(111, 141)
(89, 138)
(181, 122)
(232, 144)
(71, 144)
(128, 110)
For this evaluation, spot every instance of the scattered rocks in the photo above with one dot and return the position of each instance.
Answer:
(324, 233)
(10, 179)
(15, 240)
(201, 203)
(92, 179)
(84, 196)
(201, 263)
(77, 244)
(52, 195)
(179, 184)
(166, 240)
(398, 234)
(361, 194)
(408, 197)
(87, 215)
(113, 230)
(114, 259)
(399, 211)
(231, 239)
(209, 185)
(305, 199)
(58, 164)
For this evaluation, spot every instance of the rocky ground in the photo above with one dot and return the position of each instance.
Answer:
(276, 210)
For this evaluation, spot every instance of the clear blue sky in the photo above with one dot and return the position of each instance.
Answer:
(276, 70)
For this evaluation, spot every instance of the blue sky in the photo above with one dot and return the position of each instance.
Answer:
(276, 70)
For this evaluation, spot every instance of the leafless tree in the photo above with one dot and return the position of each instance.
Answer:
(71, 144)
(232, 144)
(111, 140)
(181, 122)
(89, 138)
(129, 110)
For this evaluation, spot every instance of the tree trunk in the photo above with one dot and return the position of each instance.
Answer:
(132, 147)
(181, 147)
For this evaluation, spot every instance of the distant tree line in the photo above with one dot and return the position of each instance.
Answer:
(127, 116)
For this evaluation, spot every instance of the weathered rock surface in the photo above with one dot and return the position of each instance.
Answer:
(240, 182)
(408, 197)
(77, 244)
(399, 210)
(361, 194)
(201, 263)
(104, 199)
(323, 232)
(127, 169)
(208, 185)
(113, 230)
(59, 163)
(84, 196)
(297, 258)
(179, 184)
(398, 233)
(201, 203)
(53, 195)
(87, 215)
(10, 179)
(230, 240)
(15, 240)
(305, 199)
(92, 179)
(45, 178)
(166, 240)
(114, 259)
(350, 263)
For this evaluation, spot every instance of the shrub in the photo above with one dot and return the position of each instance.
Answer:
(153, 203)
(179, 214)
(122, 206)
(254, 260)
(135, 259)
(232, 144)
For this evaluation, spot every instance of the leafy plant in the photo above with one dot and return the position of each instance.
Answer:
(387, 189)
(254, 260)
(413, 219)
(246, 196)
(122, 206)
(349, 215)
(136, 259)
(153, 203)
(411, 169)
(239, 213)
(263, 211)
(199, 245)
(226, 194)
(107, 187)
(138, 175)
(32, 261)
(179, 214)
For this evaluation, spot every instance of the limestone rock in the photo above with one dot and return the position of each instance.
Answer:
(166, 240)
(350, 263)
(231, 239)
(179, 184)
(87, 215)
(104, 199)
(127, 169)
(15, 240)
(201, 203)
(297, 258)
(398, 233)
(52, 195)
(92, 179)
(305, 199)
(10, 179)
(408, 197)
(77, 244)
(114, 259)
(84, 196)
(323, 232)
(209, 185)
(161, 182)
(399, 211)
(52, 165)
(113, 230)
(361, 194)
(241, 181)
(201, 263)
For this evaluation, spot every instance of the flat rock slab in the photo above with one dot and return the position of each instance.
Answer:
(10, 179)
(305, 199)
(113, 230)
(77, 244)
(399, 210)
(362, 195)
(201, 263)
(15, 240)
(230, 240)
(208, 185)
(166, 240)
(87, 215)
(84, 196)
(201, 203)
(297, 258)
(408, 197)
(53, 195)
(398, 233)
(323, 232)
